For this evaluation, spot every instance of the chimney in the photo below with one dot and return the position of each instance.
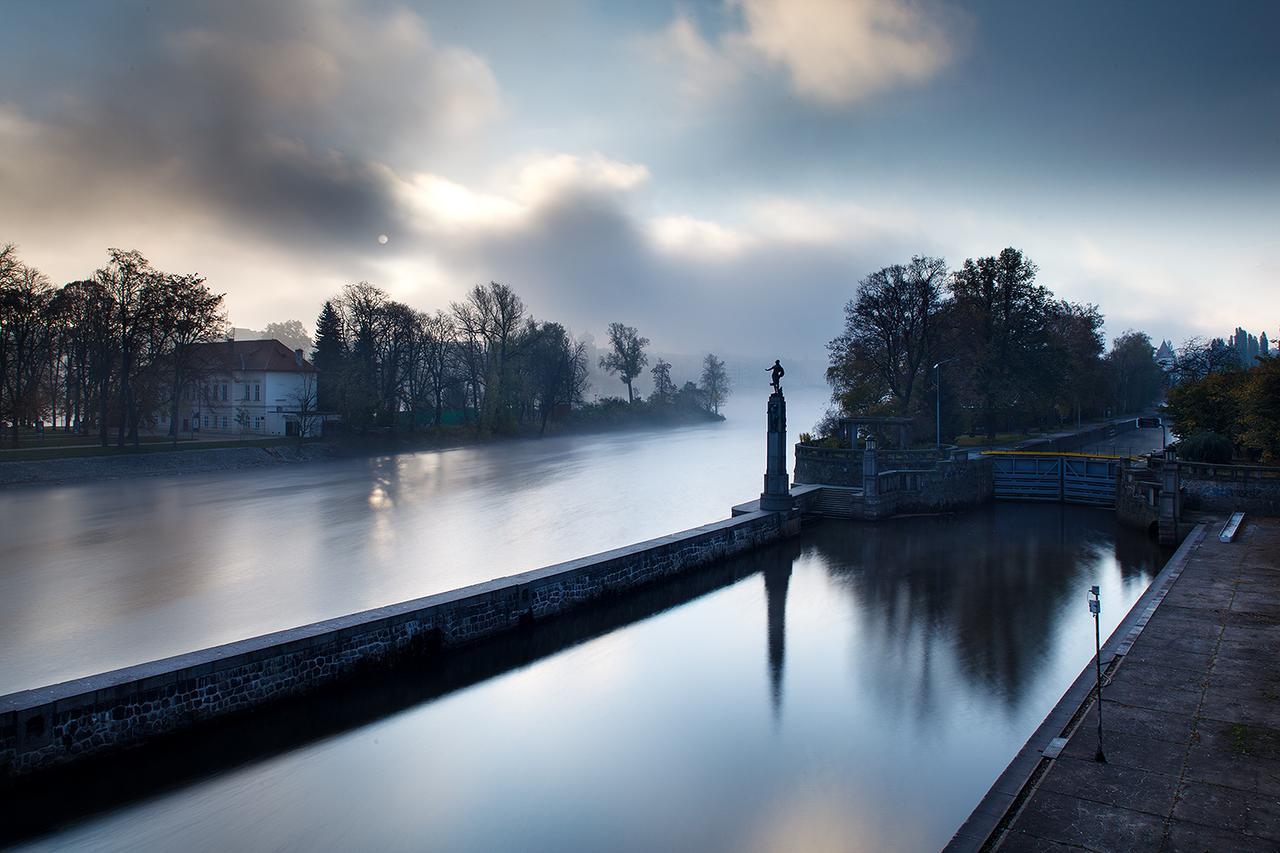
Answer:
(297, 357)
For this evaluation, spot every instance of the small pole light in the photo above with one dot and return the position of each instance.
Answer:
(1095, 607)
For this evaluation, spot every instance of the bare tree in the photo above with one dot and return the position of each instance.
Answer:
(305, 402)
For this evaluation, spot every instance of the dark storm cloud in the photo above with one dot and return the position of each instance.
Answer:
(276, 116)
(587, 258)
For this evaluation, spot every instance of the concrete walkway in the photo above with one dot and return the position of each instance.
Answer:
(1191, 721)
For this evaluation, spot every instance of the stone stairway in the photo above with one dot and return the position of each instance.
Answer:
(835, 502)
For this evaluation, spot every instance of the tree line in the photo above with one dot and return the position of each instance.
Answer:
(104, 354)
(486, 358)
(999, 349)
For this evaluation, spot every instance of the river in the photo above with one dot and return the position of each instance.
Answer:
(857, 688)
(102, 575)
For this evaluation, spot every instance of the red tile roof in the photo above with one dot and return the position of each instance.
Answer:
(253, 355)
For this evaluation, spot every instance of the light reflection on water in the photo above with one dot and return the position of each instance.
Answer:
(857, 689)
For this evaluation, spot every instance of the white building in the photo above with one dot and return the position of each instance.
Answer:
(256, 388)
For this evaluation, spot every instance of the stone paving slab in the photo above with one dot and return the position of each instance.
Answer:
(1191, 722)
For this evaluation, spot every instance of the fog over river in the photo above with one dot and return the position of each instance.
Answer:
(102, 575)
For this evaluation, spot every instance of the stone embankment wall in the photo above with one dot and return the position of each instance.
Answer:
(55, 725)
(1138, 498)
(950, 485)
(834, 466)
(1253, 489)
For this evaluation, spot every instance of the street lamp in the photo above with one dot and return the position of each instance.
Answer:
(937, 396)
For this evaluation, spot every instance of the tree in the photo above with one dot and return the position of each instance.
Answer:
(1136, 378)
(558, 370)
(1075, 333)
(330, 354)
(1198, 358)
(291, 333)
(888, 333)
(25, 298)
(998, 319)
(715, 382)
(305, 403)
(193, 315)
(664, 390)
(125, 278)
(628, 357)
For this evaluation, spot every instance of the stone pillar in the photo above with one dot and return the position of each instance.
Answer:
(1170, 505)
(776, 496)
(869, 485)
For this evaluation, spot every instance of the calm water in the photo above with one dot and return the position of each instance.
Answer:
(103, 575)
(856, 689)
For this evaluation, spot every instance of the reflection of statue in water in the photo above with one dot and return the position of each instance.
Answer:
(777, 374)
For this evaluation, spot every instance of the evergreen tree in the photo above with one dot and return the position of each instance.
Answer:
(329, 355)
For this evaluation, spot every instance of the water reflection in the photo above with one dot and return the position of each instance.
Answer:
(102, 575)
(912, 659)
(776, 578)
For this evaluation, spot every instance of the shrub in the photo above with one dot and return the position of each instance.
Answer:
(1206, 447)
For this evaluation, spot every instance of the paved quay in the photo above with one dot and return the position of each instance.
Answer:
(1191, 721)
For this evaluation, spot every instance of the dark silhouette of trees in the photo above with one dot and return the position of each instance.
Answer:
(107, 351)
(1136, 379)
(664, 390)
(330, 355)
(888, 334)
(1001, 316)
(1015, 356)
(627, 357)
(1198, 358)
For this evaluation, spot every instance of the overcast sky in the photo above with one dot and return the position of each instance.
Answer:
(719, 174)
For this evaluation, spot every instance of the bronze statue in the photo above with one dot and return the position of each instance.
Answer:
(777, 374)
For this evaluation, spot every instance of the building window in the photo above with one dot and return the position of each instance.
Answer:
(205, 424)
(257, 389)
(224, 390)
(224, 421)
(246, 392)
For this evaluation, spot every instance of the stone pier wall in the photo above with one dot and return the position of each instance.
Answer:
(86, 717)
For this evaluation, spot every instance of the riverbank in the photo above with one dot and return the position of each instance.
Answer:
(53, 466)
(1190, 731)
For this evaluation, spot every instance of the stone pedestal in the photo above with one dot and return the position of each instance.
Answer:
(776, 496)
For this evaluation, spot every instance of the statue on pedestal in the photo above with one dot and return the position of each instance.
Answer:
(776, 496)
(777, 373)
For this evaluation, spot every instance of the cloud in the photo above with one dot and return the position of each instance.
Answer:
(574, 237)
(274, 119)
(835, 53)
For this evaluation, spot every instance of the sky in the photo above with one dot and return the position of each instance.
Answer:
(718, 174)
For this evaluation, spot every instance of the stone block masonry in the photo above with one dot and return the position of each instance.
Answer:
(63, 723)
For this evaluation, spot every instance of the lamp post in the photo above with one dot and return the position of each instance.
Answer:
(1095, 607)
(937, 397)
